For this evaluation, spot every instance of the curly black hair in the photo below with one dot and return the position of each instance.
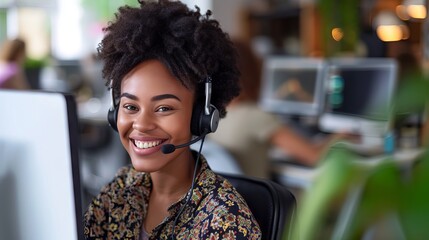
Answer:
(190, 44)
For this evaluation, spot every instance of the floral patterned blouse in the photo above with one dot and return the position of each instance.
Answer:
(215, 211)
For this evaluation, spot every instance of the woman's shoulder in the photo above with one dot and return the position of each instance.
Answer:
(224, 212)
(8, 67)
(7, 70)
(224, 195)
(246, 109)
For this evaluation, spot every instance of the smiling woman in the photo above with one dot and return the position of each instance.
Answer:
(151, 100)
(172, 71)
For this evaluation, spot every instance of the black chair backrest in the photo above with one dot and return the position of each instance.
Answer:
(272, 204)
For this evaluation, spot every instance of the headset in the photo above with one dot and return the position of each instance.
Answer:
(205, 116)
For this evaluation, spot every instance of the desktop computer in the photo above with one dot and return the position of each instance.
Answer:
(359, 95)
(292, 85)
(39, 169)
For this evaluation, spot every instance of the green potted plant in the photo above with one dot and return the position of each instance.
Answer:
(354, 199)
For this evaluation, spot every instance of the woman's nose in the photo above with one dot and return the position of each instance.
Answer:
(144, 121)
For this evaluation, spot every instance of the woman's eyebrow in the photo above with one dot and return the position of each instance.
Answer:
(130, 96)
(165, 96)
(154, 98)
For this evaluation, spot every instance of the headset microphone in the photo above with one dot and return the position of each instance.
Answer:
(169, 148)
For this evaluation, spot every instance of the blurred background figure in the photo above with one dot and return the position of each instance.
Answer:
(12, 58)
(248, 132)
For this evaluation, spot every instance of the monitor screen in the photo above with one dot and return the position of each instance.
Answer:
(292, 86)
(39, 170)
(359, 93)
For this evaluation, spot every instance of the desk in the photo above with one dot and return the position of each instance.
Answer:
(292, 175)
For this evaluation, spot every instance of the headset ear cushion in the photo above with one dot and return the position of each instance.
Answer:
(202, 123)
(213, 119)
(197, 113)
(112, 117)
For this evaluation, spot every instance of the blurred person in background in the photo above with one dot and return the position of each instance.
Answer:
(248, 132)
(12, 58)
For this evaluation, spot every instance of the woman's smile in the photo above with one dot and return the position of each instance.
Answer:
(146, 144)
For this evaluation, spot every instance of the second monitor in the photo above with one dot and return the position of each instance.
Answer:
(292, 86)
(359, 95)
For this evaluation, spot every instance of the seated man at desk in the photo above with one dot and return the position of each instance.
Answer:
(248, 133)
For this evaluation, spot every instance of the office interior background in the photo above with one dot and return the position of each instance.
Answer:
(62, 37)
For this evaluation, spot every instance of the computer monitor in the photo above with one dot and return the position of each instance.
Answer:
(39, 170)
(292, 85)
(359, 95)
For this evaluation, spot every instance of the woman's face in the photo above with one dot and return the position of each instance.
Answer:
(154, 109)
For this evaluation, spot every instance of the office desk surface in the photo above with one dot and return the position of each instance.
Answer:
(293, 175)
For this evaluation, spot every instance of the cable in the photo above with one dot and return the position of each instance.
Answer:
(190, 190)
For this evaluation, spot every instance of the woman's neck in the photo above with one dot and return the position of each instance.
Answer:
(176, 179)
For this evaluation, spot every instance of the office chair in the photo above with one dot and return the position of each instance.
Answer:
(272, 204)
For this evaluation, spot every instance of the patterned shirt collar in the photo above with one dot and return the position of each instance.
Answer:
(141, 182)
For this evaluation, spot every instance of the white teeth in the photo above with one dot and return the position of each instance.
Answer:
(145, 145)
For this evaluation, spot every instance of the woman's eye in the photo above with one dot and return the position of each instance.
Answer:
(130, 107)
(163, 109)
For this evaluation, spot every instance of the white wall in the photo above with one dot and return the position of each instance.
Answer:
(228, 14)
(204, 5)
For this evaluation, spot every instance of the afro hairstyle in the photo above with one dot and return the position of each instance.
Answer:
(190, 44)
